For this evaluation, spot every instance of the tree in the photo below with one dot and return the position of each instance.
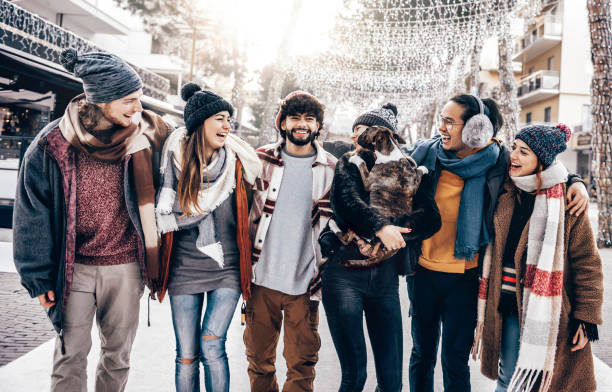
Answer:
(508, 101)
(184, 28)
(474, 76)
(259, 106)
(601, 109)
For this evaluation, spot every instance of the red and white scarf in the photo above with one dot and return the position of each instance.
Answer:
(543, 282)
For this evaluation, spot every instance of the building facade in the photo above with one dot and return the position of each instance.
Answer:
(556, 75)
(35, 89)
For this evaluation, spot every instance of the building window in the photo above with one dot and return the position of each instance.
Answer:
(528, 118)
(551, 62)
(531, 70)
(547, 114)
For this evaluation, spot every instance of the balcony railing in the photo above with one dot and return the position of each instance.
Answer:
(538, 86)
(549, 28)
(29, 33)
(539, 80)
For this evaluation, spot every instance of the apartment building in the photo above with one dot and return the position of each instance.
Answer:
(556, 74)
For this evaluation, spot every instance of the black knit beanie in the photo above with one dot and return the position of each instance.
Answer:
(105, 76)
(386, 116)
(546, 141)
(201, 104)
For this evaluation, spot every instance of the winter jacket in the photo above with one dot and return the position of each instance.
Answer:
(266, 189)
(582, 296)
(496, 177)
(351, 209)
(242, 195)
(44, 218)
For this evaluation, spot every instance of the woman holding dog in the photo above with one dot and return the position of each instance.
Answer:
(540, 298)
(351, 291)
(468, 166)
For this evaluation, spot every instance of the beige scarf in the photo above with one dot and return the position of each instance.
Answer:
(138, 140)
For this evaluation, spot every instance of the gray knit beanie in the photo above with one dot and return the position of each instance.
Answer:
(386, 116)
(105, 76)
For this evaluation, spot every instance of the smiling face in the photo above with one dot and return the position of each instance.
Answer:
(451, 129)
(301, 128)
(216, 129)
(121, 111)
(523, 161)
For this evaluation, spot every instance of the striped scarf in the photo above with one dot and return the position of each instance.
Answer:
(543, 282)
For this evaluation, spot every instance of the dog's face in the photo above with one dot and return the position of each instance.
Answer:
(379, 139)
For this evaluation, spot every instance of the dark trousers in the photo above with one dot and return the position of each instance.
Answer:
(347, 295)
(447, 300)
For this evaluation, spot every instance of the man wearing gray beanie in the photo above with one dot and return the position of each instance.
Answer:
(84, 234)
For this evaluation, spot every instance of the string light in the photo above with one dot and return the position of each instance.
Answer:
(411, 53)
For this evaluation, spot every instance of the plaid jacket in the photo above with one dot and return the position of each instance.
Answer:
(266, 190)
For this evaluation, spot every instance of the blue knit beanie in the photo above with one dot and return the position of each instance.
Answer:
(105, 76)
(386, 116)
(546, 141)
(201, 104)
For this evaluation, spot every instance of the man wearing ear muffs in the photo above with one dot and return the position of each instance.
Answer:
(468, 165)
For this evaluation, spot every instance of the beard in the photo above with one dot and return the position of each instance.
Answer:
(301, 142)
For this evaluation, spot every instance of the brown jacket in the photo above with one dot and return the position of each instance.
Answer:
(582, 296)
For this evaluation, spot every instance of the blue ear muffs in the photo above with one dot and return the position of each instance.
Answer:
(478, 130)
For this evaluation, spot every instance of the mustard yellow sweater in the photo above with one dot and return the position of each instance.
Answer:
(438, 250)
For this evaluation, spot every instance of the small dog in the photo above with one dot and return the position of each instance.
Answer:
(392, 183)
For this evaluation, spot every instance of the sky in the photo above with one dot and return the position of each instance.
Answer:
(261, 25)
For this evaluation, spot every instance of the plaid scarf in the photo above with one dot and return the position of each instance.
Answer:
(543, 282)
(221, 184)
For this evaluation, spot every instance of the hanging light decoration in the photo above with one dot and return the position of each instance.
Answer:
(403, 51)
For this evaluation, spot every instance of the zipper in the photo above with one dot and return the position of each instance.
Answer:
(61, 337)
(44, 147)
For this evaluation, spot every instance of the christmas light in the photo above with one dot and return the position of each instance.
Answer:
(409, 52)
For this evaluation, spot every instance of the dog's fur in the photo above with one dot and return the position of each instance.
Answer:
(392, 183)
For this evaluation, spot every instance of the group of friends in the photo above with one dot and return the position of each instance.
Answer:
(499, 257)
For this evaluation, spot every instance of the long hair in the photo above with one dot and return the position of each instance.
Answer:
(190, 179)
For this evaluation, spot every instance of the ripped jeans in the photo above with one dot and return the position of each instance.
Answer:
(205, 343)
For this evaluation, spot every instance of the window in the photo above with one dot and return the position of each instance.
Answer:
(528, 118)
(547, 114)
(551, 62)
(531, 70)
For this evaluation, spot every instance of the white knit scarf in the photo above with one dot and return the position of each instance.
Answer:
(543, 282)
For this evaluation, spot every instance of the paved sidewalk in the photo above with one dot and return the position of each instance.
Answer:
(153, 353)
(24, 324)
(153, 360)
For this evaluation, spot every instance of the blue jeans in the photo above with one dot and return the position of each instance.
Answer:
(190, 342)
(510, 343)
(447, 302)
(347, 295)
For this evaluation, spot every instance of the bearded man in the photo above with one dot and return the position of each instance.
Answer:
(290, 207)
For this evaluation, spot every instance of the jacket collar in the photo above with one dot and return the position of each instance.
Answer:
(322, 157)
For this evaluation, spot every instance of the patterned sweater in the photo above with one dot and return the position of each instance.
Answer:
(266, 192)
